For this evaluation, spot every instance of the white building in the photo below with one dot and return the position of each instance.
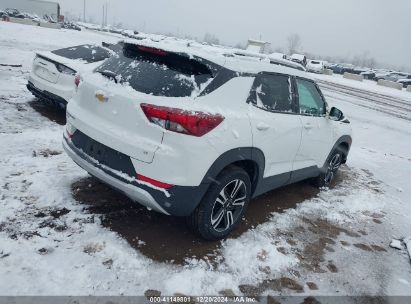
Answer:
(255, 45)
(38, 7)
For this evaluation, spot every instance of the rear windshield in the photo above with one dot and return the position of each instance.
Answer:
(86, 52)
(315, 62)
(157, 72)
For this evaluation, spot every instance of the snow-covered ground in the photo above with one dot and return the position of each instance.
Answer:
(333, 242)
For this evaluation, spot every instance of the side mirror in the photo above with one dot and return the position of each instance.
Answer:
(336, 114)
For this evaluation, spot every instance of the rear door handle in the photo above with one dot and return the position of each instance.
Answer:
(308, 126)
(262, 126)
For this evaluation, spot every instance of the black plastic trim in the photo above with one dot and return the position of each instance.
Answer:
(184, 199)
(261, 184)
(345, 139)
(304, 173)
(254, 155)
(181, 202)
(221, 77)
(47, 96)
(103, 154)
(270, 183)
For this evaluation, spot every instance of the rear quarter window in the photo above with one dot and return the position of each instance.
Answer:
(87, 52)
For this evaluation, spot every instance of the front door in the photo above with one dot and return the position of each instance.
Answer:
(317, 136)
(276, 127)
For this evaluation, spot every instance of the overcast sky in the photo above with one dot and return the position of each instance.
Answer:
(326, 27)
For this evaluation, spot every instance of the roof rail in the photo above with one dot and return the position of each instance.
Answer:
(267, 58)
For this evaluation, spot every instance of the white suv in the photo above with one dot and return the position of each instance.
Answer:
(315, 66)
(189, 131)
(53, 73)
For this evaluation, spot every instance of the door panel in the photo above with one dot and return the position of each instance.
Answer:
(316, 143)
(275, 126)
(317, 132)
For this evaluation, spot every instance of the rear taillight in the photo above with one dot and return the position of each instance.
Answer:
(181, 121)
(77, 80)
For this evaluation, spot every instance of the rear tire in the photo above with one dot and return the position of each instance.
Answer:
(223, 206)
(334, 162)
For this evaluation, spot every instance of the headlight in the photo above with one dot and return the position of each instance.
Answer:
(65, 70)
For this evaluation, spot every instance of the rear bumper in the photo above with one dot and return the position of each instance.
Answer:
(45, 95)
(178, 200)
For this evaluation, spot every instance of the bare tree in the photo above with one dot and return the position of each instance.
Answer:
(372, 63)
(211, 39)
(268, 49)
(293, 43)
(364, 60)
(240, 45)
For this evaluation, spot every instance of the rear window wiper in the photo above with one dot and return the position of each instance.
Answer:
(110, 75)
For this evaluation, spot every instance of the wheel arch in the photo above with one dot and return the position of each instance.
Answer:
(344, 142)
(345, 147)
(250, 159)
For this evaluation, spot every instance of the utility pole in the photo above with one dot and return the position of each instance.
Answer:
(106, 12)
(84, 11)
(102, 21)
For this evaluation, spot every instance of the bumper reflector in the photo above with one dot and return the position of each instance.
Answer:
(153, 182)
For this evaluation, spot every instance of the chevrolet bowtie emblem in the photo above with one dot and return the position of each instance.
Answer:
(101, 97)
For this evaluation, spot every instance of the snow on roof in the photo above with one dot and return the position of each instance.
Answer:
(254, 41)
(231, 58)
(298, 56)
(277, 56)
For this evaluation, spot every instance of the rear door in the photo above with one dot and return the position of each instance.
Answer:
(317, 136)
(275, 125)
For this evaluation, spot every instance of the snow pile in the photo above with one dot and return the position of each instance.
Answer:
(407, 242)
(396, 244)
(402, 244)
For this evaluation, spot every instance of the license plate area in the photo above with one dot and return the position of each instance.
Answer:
(102, 154)
(96, 151)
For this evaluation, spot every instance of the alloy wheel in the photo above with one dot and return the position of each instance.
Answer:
(332, 168)
(229, 205)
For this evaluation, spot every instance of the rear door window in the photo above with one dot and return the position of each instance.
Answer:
(272, 93)
(157, 72)
(310, 99)
(87, 52)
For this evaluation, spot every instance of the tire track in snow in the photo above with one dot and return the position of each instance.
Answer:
(364, 93)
